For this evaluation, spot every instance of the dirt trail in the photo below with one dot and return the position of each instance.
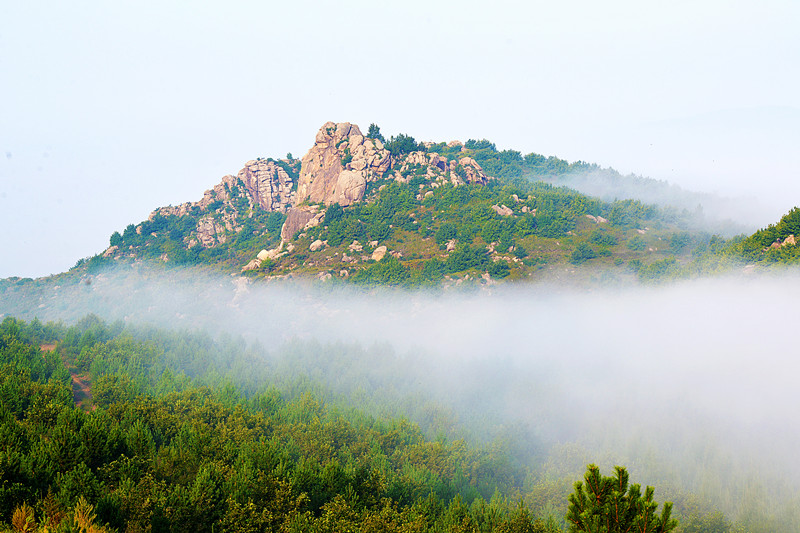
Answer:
(81, 387)
(82, 391)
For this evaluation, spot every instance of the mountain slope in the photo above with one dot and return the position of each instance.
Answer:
(401, 212)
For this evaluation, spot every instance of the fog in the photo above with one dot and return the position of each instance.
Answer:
(690, 385)
(726, 215)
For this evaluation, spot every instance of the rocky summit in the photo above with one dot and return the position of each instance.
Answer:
(336, 170)
(339, 165)
(365, 209)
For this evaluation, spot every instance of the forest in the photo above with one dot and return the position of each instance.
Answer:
(391, 397)
(115, 427)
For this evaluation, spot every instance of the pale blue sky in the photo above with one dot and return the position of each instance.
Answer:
(111, 109)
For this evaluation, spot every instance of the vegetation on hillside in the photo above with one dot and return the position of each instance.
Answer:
(186, 432)
(516, 227)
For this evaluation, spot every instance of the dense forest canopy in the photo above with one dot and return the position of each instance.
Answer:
(183, 431)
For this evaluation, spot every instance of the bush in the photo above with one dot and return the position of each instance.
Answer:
(582, 253)
(402, 144)
(636, 243)
(499, 269)
(446, 232)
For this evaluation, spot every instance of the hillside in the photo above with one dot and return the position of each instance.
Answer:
(359, 208)
(471, 410)
(187, 433)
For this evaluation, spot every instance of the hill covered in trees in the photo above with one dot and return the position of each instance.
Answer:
(184, 432)
(112, 424)
(361, 209)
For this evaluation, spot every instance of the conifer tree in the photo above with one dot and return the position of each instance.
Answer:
(609, 505)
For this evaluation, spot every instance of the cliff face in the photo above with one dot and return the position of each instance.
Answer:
(262, 183)
(339, 165)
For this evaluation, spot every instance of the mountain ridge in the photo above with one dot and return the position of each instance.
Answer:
(360, 208)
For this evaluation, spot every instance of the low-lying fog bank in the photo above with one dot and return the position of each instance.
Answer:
(691, 384)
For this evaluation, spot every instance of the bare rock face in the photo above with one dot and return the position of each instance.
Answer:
(469, 171)
(267, 184)
(339, 165)
(350, 187)
(262, 183)
(296, 220)
(211, 230)
(252, 265)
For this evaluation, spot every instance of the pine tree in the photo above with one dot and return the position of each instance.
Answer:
(609, 505)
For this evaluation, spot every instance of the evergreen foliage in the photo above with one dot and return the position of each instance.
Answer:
(159, 453)
(603, 504)
(172, 444)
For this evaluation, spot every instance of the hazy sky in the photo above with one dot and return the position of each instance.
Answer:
(111, 109)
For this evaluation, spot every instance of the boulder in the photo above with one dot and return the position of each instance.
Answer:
(378, 253)
(502, 210)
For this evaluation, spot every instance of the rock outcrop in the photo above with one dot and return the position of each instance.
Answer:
(469, 171)
(263, 183)
(435, 168)
(337, 169)
(298, 219)
(339, 165)
(211, 230)
(503, 210)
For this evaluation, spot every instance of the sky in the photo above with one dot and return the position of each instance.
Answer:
(109, 110)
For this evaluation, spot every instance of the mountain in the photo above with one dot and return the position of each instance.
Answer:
(361, 208)
(312, 406)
